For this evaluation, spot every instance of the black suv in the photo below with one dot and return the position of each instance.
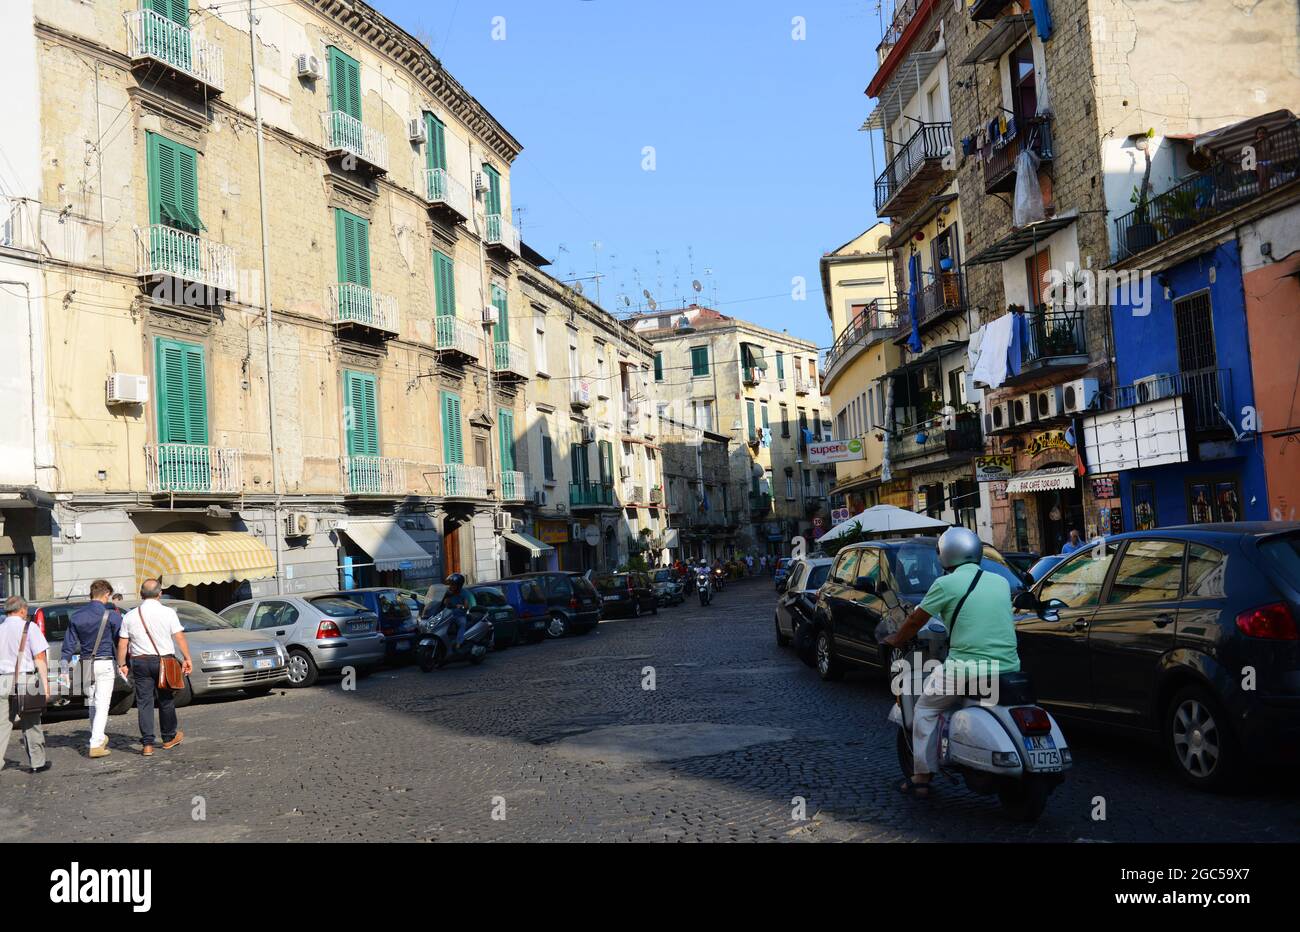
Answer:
(573, 601)
(1187, 635)
(851, 603)
(630, 594)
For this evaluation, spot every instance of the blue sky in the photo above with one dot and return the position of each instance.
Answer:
(759, 165)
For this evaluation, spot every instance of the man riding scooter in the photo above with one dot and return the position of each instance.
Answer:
(456, 600)
(976, 607)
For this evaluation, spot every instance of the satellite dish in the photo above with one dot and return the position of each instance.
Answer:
(577, 286)
(645, 293)
(697, 286)
(627, 302)
(653, 306)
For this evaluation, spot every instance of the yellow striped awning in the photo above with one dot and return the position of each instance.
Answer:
(186, 558)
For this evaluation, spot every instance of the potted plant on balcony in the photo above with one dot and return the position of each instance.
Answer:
(1180, 211)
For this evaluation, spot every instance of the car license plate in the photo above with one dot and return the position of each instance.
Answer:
(263, 664)
(1042, 753)
(539, 623)
(402, 645)
(355, 626)
(611, 598)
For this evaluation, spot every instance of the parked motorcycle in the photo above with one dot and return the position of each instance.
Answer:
(1014, 748)
(704, 587)
(435, 648)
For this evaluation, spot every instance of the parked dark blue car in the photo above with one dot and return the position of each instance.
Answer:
(528, 600)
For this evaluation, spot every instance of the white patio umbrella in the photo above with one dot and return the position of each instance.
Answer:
(884, 519)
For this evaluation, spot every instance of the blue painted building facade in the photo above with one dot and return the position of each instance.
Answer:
(1195, 332)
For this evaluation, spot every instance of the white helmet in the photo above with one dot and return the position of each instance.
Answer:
(959, 545)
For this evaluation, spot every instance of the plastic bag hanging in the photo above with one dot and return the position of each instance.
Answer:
(1044, 98)
(1027, 207)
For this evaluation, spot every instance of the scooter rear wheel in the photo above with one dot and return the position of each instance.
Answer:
(1024, 800)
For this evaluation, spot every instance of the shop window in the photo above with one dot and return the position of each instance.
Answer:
(1216, 499)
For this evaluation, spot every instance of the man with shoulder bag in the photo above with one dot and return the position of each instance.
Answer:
(153, 633)
(92, 633)
(24, 680)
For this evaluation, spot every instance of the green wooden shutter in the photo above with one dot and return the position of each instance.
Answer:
(352, 243)
(187, 187)
(444, 285)
(548, 458)
(453, 450)
(780, 365)
(361, 413)
(749, 410)
(173, 171)
(606, 462)
(500, 330)
(492, 203)
(345, 83)
(182, 392)
(435, 147)
(699, 360)
(506, 432)
(578, 462)
(659, 367)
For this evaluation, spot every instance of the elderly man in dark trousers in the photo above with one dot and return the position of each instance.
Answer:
(23, 655)
(153, 631)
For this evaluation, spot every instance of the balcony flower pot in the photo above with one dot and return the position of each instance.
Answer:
(1141, 235)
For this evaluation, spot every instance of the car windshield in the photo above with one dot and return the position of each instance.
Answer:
(581, 585)
(663, 576)
(1041, 568)
(816, 576)
(611, 583)
(197, 618)
(336, 607)
(490, 597)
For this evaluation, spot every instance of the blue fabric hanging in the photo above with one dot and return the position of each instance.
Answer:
(1015, 349)
(1042, 18)
(913, 274)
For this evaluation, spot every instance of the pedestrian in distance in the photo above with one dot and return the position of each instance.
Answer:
(153, 633)
(1074, 543)
(25, 680)
(92, 634)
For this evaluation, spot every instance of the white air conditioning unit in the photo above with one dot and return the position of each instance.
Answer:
(490, 314)
(415, 129)
(309, 67)
(480, 182)
(1047, 403)
(998, 418)
(1079, 395)
(122, 389)
(539, 497)
(625, 472)
(780, 384)
(299, 524)
(1154, 387)
(588, 433)
(504, 521)
(1022, 410)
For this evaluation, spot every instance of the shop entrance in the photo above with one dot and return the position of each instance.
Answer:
(1059, 512)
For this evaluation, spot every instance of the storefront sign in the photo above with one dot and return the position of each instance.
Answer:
(1048, 440)
(835, 451)
(1103, 487)
(1047, 479)
(553, 532)
(999, 491)
(994, 468)
(1132, 438)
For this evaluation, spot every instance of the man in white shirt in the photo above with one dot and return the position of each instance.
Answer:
(13, 667)
(153, 631)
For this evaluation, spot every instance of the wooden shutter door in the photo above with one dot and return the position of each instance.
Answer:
(506, 429)
(501, 330)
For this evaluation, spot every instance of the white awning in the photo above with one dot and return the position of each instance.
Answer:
(528, 542)
(1047, 479)
(389, 546)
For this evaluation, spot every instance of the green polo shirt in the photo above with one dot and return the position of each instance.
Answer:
(986, 630)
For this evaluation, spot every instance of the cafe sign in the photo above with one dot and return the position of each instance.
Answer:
(835, 451)
(1047, 441)
(553, 532)
(993, 468)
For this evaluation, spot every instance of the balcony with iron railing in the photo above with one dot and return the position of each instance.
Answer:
(1208, 194)
(633, 494)
(442, 190)
(1000, 161)
(591, 494)
(190, 60)
(929, 437)
(918, 166)
(1055, 342)
(514, 486)
(1206, 394)
(751, 375)
(760, 503)
(501, 232)
(878, 321)
(373, 475)
(166, 252)
(452, 335)
(656, 495)
(942, 295)
(804, 384)
(347, 136)
(359, 308)
(458, 480)
(904, 12)
(509, 360)
(192, 468)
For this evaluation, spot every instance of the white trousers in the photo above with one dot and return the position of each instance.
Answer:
(99, 696)
(937, 696)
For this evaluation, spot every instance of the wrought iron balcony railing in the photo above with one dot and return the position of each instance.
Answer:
(1054, 333)
(441, 188)
(1206, 394)
(163, 250)
(591, 494)
(192, 467)
(457, 480)
(509, 359)
(1000, 163)
(929, 437)
(917, 159)
(501, 232)
(152, 36)
(514, 486)
(346, 134)
(451, 334)
(879, 319)
(358, 304)
(373, 475)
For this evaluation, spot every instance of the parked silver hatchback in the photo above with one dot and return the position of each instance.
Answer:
(321, 634)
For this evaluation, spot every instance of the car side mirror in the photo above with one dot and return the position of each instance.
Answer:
(1051, 610)
(865, 584)
(1025, 601)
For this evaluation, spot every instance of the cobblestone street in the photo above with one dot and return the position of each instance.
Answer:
(565, 734)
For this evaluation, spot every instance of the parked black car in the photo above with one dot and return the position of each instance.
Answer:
(490, 602)
(399, 615)
(1187, 635)
(796, 598)
(630, 594)
(864, 581)
(573, 601)
(1020, 560)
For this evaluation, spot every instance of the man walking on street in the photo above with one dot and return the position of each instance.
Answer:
(23, 651)
(92, 633)
(153, 631)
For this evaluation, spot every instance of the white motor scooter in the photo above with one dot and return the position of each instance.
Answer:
(1014, 748)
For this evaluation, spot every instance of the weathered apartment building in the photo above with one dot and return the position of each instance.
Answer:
(761, 390)
(1057, 115)
(275, 320)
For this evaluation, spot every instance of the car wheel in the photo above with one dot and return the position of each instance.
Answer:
(184, 697)
(123, 704)
(782, 640)
(828, 665)
(302, 669)
(1200, 740)
(557, 627)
